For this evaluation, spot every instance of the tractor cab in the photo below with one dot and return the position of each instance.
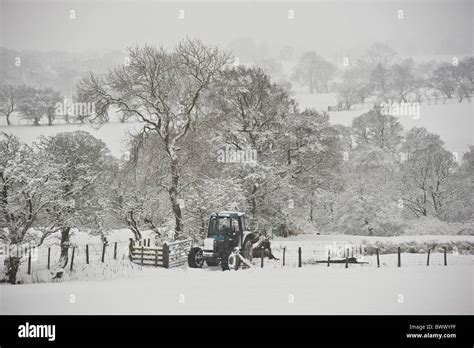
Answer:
(227, 225)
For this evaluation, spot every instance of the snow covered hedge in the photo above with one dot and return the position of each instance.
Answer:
(431, 225)
(418, 247)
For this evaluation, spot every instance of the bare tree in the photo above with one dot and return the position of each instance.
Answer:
(381, 54)
(164, 90)
(314, 71)
(8, 100)
(426, 174)
(402, 80)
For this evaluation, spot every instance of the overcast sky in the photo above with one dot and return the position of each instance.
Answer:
(329, 27)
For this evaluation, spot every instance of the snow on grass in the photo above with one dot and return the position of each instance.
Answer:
(120, 287)
(114, 135)
(307, 290)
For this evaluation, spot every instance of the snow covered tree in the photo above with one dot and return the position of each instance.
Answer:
(363, 208)
(314, 71)
(80, 162)
(253, 114)
(35, 103)
(444, 80)
(8, 100)
(380, 57)
(402, 80)
(426, 173)
(314, 155)
(380, 54)
(464, 77)
(140, 192)
(164, 91)
(27, 188)
(378, 129)
(355, 86)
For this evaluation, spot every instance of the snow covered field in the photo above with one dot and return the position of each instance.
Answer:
(307, 290)
(312, 289)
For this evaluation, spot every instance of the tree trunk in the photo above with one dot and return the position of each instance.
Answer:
(173, 194)
(133, 225)
(253, 202)
(12, 263)
(8, 120)
(64, 258)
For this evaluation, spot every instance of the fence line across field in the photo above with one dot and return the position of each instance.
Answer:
(175, 254)
(299, 256)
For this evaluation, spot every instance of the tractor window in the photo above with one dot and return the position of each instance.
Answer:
(219, 226)
(235, 225)
(243, 221)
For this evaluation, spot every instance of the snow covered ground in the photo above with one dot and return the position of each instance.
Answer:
(307, 290)
(119, 287)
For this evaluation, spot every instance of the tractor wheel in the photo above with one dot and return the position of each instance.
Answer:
(247, 249)
(233, 261)
(212, 262)
(195, 258)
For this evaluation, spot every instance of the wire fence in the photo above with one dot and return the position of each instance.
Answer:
(88, 260)
(292, 256)
(99, 260)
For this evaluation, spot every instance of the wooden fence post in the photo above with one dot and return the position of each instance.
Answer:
(445, 257)
(399, 258)
(115, 251)
(143, 251)
(49, 256)
(156, 257)
(103, 252)
(428, 258)
(166, 255)
(329, 257)
(284, 251)
(378, 258)
(29, 262)
(299, 257)
(72, 257)
(87, 253)
(130, 249)
(347, 259)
